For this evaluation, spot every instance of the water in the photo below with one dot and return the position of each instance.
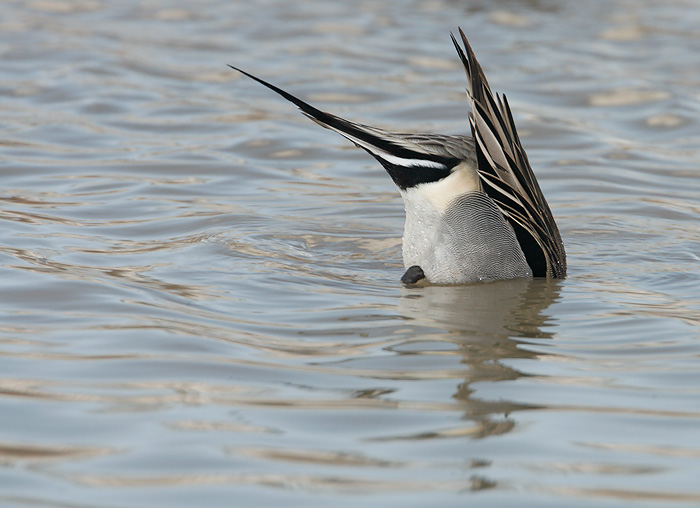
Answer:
(200, 288)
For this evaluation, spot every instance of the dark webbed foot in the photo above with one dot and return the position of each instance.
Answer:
(413, 275)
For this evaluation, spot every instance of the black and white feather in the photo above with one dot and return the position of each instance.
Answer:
(506, 173)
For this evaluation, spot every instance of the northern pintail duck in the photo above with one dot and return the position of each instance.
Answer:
(474, 209)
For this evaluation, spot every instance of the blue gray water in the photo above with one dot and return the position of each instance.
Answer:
(200, 292)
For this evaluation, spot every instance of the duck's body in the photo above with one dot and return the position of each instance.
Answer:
(474, 210)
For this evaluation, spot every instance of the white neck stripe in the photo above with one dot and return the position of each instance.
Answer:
(393, 159)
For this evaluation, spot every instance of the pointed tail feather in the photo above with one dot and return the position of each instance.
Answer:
(396, 153)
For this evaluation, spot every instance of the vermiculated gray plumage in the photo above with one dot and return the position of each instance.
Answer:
(468, 241)
(474, 209)
(492, 251)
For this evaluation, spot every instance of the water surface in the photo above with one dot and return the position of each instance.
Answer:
(200, 288)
